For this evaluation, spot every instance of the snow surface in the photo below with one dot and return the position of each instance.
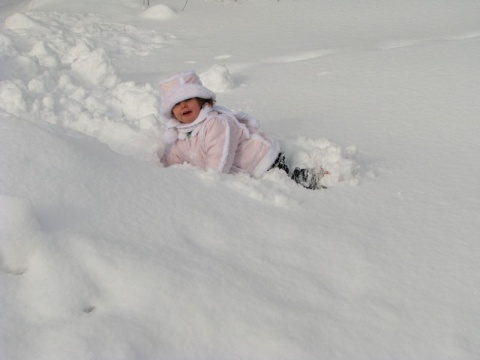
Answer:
(105, 254)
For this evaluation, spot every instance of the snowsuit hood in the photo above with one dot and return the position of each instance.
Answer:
(180, 87)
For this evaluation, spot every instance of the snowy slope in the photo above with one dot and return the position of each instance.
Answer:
(104, 254)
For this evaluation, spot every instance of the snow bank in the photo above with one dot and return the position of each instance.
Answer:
(67, 245)
(103, 256)
(67, 79)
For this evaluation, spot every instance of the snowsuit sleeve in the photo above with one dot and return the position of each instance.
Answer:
(221, 139)
(171, 157)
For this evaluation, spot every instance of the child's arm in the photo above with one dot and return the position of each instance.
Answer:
(221, 141)
(171, 157)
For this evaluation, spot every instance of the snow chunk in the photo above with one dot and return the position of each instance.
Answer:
(217, 78)
(159, 12)
(74, 52)
(21, 21)
(17, 233)
(46, 56)
(95, 68)
(6, 45)
(135, 102)
(11, 97)
(321, 153)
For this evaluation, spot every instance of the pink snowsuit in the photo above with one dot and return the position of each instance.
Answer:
(222, 143)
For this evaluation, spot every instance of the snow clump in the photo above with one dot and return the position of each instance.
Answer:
(159, 12)
(217, 78)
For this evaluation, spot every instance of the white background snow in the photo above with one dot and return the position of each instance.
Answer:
(105, 254)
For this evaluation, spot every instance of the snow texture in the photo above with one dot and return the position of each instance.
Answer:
(105, 254)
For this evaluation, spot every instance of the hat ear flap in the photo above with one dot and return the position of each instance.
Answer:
(166, 87)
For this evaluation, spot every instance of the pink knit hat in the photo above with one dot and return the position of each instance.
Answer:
(180, 87)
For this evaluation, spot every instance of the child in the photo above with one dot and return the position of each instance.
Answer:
(213, 137)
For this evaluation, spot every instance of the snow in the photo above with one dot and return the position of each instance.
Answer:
(105, 254)
(159, 12)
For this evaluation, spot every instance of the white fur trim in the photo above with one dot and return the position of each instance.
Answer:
(170, 136)
(226, 146)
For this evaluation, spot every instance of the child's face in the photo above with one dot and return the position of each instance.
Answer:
(187, 111)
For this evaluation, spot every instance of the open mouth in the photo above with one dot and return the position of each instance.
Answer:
(187, 112)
